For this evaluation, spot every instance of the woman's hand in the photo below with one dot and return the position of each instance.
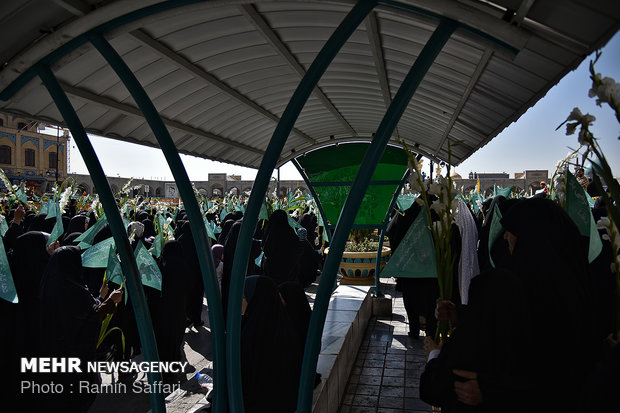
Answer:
(467, 392)
(116, 296)
(445, 310)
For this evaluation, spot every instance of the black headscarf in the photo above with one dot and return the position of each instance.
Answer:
(309, 221)
(171, 320)
(270, 352)
(282, 249)
(195, 286)
(297, 307)
(69, 325)
(225, 228)
(551, 259)
(77, 224)
(149, 228)
(230, 245)
(41, 223)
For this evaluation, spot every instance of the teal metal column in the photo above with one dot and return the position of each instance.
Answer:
(186, 191)
(250, 218)
(384, 225)
(128, 261)
(354, 199)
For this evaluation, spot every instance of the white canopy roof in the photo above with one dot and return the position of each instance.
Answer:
(221, 73)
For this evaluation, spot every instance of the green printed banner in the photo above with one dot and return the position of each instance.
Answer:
(58, 229)
(157, 245)
(495, 230)
(97, 256)
(578, 208)
(4, 227)
(86, 239)
(149, 271)
(415, 255)
(7, 286)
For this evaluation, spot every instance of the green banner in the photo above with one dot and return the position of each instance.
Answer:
(578, 208)
(149, 271)
(415, 255)
(97, 256)
(495, 231)
(7, 286)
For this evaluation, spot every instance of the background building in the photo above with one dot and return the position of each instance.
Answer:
(26, 155)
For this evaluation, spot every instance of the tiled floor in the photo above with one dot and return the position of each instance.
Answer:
(385, 376)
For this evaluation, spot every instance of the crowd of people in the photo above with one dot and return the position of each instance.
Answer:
(532, 319)
(530, 315)
(62, 304)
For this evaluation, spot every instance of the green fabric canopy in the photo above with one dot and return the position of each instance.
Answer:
(332, 169)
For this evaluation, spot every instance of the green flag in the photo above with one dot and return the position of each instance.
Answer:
(415, 255)
(86, 239)
(209, 228)
(579, 210)
(51, 209)
(157, 245)
(216, 229)
(404, 201)
(162, 222)
(97, 256)
(505, 192)
(259, 259)
(7, 286)
(263, 214)
(21, 196)
(292, 222)
(44, 208)
(495, 230)
(4, 227)
(114, 272)
(149, 271)
(58, 229)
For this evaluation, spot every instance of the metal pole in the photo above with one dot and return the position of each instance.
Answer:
(384, 225)
(128, 261)
(186, 191)
(354, 199)
(274, 149)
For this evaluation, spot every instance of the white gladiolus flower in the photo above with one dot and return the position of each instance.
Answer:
(603, 223)
(435, 189)
(606, 91)
(438, 206)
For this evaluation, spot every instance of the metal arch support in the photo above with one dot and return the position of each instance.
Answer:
(354, 200)
(128, 261)
(384, 228)
(186, 191)
(274, 149)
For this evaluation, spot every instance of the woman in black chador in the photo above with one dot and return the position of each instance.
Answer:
(70, 326)
(282, 249)
(194, 285)
(504, 353)
(170, 320)
(270, 352)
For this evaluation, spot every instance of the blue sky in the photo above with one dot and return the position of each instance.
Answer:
(530, 143)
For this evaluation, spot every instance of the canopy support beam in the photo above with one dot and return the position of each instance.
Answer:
(272, 154)
(123, 246)
(384, 224)
(354, 199)
(186, 192)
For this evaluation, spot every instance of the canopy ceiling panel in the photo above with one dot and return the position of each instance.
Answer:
(221, 73)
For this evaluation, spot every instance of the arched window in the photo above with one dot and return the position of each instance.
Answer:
(5, 154)
(29, 157)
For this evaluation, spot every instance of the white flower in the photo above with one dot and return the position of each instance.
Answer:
(438, 206)
(606, 91)
(435, 189)
(603, 223)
